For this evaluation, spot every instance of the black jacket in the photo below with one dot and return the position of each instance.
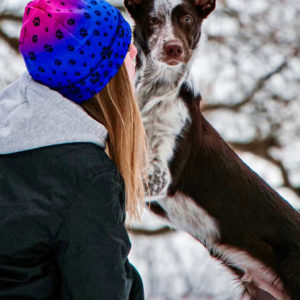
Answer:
(62, 233)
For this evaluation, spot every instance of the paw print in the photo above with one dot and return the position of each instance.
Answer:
(74, 89)
(72, 62)
(87, 15)
(71, 48)
(48, 48)
(35, 38)
(121, 31)
(83, 32)
(71, 22)
(58, 62)
(159, 178)
(32, 56)
(106, 53)
(59, 34)
(96, 32)
(95, 78)
(37, 21)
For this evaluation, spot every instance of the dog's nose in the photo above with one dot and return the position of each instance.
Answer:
(173, 49)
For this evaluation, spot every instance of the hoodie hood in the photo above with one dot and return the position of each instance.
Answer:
(34, 116)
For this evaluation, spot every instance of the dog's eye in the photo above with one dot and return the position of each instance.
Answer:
(153, 21)
(187, 19)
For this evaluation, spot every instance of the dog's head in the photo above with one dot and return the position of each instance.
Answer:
(168, 30)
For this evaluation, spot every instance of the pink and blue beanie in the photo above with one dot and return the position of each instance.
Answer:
(74, 46)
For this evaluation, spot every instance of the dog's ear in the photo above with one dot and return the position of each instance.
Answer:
(132, 6)
(205, 7)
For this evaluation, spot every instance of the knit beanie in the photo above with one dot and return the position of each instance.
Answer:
(74, 46)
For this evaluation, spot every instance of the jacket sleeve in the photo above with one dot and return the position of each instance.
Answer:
(92, 243)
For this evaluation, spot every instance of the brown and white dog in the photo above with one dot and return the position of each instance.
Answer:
(200, 184)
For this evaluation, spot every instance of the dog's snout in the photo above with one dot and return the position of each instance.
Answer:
(173, 49)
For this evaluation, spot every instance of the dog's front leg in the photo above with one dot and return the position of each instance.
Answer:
(161, 142)
(163, 125)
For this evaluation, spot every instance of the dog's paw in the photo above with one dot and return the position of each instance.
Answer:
(158, 179)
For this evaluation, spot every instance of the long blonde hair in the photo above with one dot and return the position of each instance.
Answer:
(117, 109)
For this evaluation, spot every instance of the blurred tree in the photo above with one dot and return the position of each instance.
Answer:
(251, 76)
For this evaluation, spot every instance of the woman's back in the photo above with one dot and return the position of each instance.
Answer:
(62, 197)
(62, 202)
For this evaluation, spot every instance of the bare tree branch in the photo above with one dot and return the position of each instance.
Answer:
(11, 41)
(257, 146)
(216, 38)
(260, 147)
(10, 17)
(257, 87)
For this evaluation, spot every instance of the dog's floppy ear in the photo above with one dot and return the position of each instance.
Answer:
(132, 6)
(205, 7)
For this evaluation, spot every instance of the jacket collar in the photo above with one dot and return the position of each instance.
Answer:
(34, 116)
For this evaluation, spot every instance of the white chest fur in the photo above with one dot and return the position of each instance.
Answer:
(163, 121)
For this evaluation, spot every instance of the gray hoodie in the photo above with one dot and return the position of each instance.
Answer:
(34, 116)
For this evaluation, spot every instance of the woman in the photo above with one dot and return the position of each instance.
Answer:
(62, 199)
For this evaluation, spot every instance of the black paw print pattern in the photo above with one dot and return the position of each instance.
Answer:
(36, 21)
(95, 78)
(83, 32)
(71, 22)
(58, 62)
(59, 34)
(35, 38)
(106, 52)
(71, 48)
(74, 89)
(32, 56)
(87, 15)
(48, 48)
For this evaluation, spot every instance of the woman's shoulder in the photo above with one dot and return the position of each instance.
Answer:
(82, 160)
(71, 157)
(66, 170)
(86, 156)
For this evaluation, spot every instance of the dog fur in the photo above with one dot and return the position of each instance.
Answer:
(200, 185)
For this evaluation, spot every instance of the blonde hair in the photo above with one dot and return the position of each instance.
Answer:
(117, 109)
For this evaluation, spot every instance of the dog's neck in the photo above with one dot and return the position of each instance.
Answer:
(157, 83)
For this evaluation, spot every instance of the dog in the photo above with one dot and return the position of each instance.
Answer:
(196, 181)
